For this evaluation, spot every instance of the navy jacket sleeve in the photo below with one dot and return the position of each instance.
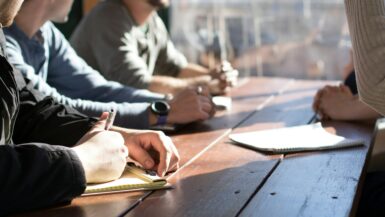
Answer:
(37, 167)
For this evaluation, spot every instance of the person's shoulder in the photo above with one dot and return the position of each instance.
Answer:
(107, 10)
(50, 31)
(13, 32)
(49, 27)
(14, 38)
(158, 22)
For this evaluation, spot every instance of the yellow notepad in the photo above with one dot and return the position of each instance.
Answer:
(132, 179)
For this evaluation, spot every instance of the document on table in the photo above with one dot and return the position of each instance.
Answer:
(133, 178)
(293, 139)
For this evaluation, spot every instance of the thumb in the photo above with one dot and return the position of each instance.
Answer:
(142, 156)
(101, 123)
(345, 89)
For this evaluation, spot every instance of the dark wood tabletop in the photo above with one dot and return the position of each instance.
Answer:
(219, 178)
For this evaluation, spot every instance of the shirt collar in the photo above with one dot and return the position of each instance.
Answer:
(37, 38)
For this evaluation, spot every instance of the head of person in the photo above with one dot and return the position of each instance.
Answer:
(8, 11)
(59, 10)
(158, 4)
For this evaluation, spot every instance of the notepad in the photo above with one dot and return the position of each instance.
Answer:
(133, 178)
(294, 139)
(222, 102)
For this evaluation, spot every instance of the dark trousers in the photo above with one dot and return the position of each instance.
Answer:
(372, 201)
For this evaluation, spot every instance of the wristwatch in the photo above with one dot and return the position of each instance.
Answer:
(161, 109)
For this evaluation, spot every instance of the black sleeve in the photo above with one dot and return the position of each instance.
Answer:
(46, 121)
(37, 170)
(38, 175)
(351, 82)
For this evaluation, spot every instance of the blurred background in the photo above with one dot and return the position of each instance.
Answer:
(305, 39)
(289, 38)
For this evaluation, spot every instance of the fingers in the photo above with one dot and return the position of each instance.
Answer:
(317, 99)
(154, 150)
(168, 155)
(206, 106)
(142, 156)
(226, 75)
(101, 123)
(124, 150)
(346, 89)
(204, 90)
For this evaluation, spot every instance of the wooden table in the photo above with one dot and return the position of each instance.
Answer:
(218, 178)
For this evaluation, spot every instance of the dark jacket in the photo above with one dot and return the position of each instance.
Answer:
(37, 169)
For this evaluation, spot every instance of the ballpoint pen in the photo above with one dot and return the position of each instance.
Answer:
(110, 119)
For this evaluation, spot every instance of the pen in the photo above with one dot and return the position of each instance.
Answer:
(110, 119)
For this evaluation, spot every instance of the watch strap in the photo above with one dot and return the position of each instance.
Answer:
(162, 120)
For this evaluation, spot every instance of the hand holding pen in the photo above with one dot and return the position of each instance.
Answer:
(110, 119)
(151, 149)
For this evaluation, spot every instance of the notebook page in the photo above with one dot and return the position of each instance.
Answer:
(306, 137)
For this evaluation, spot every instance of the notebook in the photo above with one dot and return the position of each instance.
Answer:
(133, 178)
(222, 102)
(293, 139)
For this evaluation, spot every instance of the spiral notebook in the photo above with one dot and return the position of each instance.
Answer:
(311, 137)
(133, 178)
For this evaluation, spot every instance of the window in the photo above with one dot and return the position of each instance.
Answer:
(287, 38)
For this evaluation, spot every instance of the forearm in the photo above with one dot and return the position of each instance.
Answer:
(38, 175)
(131, 115)
(193, 70)
(47, 121)
(366, 23)
(364, 112)
(167, 84)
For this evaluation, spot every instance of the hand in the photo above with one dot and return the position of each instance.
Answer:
(102, 153)
(189, 106)
(223, 77)
(334, 102)
(152, 149)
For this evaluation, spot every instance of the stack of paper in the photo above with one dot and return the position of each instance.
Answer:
(293, 139)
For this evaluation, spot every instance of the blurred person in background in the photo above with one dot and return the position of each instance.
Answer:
(127, 42)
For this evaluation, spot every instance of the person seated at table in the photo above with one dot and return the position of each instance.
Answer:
(44, 56)
(127, 42)
(342, 102)
(49, 151)
(366, 27)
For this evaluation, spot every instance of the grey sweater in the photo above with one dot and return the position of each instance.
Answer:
(109, 39)
(366, 20)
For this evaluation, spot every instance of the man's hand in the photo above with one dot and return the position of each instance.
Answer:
(152, 149)
(334, 102)
(223, 77)
(189, 106)
(102, 153)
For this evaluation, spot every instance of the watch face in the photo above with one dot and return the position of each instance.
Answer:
(160, 107)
